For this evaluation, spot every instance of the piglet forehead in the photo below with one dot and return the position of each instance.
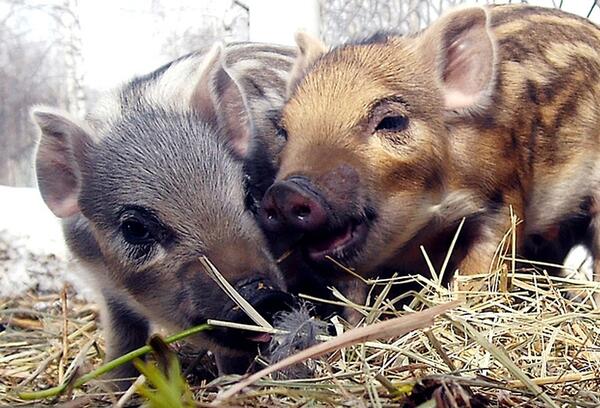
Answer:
(168, 162)
(343, 86)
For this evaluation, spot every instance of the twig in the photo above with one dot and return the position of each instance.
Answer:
(450, 251)
(557, 379)
(65, 333)
(130, 392)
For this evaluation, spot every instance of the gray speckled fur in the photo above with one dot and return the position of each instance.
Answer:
(147, 145)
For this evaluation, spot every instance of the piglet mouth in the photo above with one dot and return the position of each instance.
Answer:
(259, 338)
(267, 301)
(339, 243)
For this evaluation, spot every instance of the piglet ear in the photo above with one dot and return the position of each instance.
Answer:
(309, 50)
(219, 99)
(202, 100)
(60, 152)
(463, 52)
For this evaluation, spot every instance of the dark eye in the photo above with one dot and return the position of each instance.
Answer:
(135, 231)
(282, 133)
(392, 124)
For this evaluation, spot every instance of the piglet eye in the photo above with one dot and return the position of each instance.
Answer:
(134, 229)
(392, 124)
(282, 133)
(135, 232)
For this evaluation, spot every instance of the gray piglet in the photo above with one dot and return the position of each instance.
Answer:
(152, 181)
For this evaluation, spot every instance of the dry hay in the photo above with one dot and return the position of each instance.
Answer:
(33, 340)
(520, 338)
(527, 345)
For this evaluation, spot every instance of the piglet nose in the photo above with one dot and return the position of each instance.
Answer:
(264, 296)
(292, 203)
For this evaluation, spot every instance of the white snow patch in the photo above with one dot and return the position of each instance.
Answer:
(33, 254)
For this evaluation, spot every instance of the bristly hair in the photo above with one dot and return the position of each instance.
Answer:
(301, 332)
(379, 37)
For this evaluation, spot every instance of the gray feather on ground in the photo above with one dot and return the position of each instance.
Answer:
(301, 332)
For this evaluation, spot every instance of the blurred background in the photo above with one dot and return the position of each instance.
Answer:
(66, 52)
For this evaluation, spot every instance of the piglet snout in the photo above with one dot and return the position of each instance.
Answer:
(292, 204)
(265, 298)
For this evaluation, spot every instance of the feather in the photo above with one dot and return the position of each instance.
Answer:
(298, 330)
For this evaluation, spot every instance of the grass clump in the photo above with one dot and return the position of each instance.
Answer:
(516, 337)
(165, 385)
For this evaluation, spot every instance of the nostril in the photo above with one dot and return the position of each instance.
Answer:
(290, 205)
(301, 211)
(269, 213)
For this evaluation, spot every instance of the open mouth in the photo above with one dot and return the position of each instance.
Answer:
(259, 337)
(341, 243)
(240, 339)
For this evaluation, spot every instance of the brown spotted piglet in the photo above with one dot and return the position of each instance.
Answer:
(393, 140)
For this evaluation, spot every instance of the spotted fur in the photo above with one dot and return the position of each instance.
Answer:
(502, 108)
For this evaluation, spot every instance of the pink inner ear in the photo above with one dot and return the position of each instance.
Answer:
(240, 145)
(237, 131)
(65, 207)
(58, 185)
(57, 175)
(234, 118)
(469, 68)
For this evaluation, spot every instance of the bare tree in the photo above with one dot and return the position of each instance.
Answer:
(68, 16)
(32, 71)
(343, 20)
(210, 24)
